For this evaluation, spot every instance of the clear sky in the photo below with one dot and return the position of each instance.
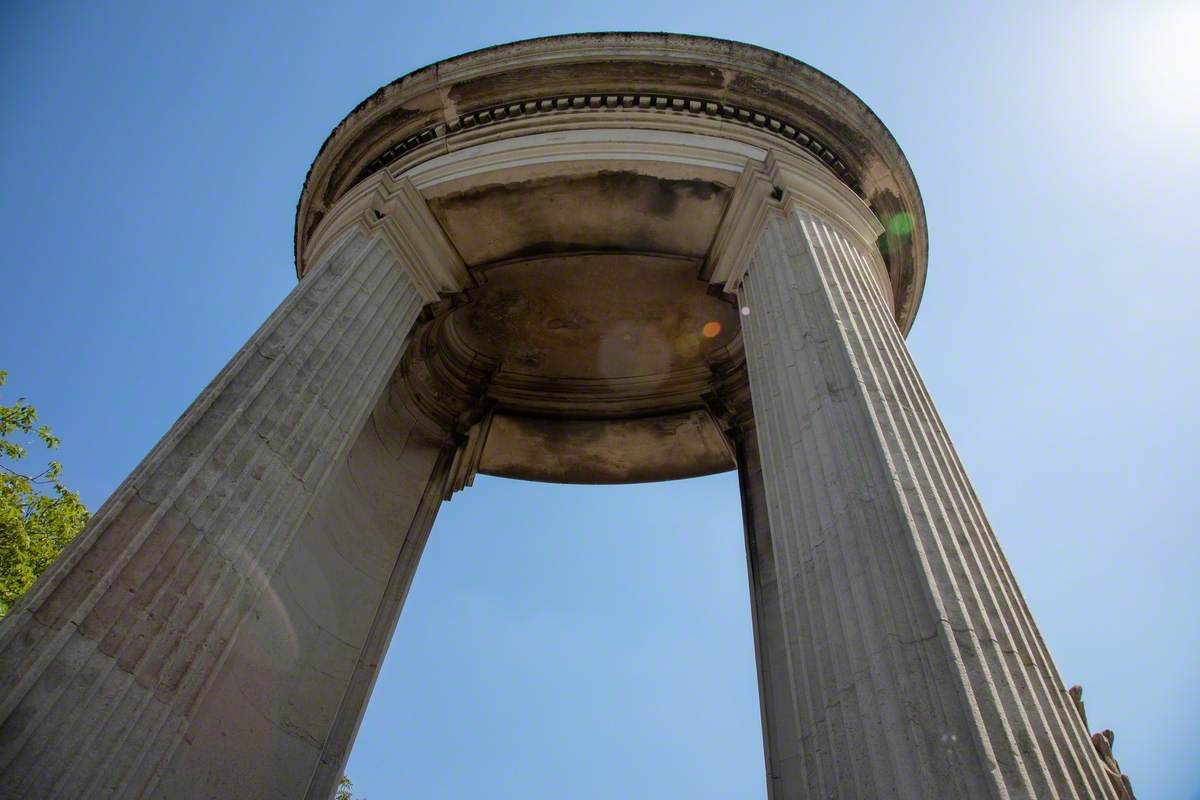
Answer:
(589, 642)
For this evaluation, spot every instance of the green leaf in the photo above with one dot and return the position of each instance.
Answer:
(35, 524)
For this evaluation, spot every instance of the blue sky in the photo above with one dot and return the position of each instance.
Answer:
(594, 642)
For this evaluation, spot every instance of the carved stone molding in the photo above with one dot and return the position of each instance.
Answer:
(465, 466)
(459, 362)
(601, 102)
(778, 183)
(665, 83)
(441, 382)
(394, 208)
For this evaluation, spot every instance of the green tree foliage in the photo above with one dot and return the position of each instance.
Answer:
(38, 515)
(345, 790)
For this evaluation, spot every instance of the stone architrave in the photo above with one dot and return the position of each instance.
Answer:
(594, 258)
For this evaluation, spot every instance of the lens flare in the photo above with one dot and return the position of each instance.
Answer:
(687, 345)
(710, 329)
(900, 224)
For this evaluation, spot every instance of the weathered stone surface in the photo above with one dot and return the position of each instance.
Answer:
(136, 636)
(595, 258)
(1103, 742)
(567, 209)
(594, 79)
(282, 711)
(896, 656)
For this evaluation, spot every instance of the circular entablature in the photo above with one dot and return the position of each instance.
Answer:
(735, 90)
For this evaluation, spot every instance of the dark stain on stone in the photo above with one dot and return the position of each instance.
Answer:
(573, 450)
(529, 358)
(611, 77)
(898, 251)
(572, 321)
(547, 248)
(520, 206)
(786, 102)
(314, 219)
(654, 195)
(391, 127)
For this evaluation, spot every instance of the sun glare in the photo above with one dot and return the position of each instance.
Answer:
(1164, 66)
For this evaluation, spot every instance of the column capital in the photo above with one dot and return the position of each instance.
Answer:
(397, 211)
(778, 184)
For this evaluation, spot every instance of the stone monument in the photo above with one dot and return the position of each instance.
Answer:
(595, 258)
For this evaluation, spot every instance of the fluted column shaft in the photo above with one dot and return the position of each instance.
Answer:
(897, 657)
(107, 663)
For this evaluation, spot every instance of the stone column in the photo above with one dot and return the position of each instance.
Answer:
(897, 657)
(280, 715)
(215, 629)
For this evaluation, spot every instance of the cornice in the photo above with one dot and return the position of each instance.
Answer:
(391, 201)
(600, 102)
(667, 81)
(581, 145)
